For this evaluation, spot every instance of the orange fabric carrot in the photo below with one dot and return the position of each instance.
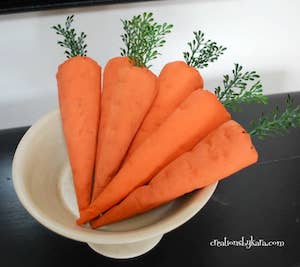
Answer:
(225, 151)
(175, 82)
(197, 116)
(79, 90)
(128, 92)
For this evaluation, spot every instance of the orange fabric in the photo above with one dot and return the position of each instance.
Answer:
(128, 92)
(175, 82)
(79, 91)
(195, 118)
(225, 151)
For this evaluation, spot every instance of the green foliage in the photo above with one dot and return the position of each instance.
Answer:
(202, 52)
(236, 89)
(75, 45)
(142, 37)
(276, 123)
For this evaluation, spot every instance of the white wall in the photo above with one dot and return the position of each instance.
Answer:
(261, 35)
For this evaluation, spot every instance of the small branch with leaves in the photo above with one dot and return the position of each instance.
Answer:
(277, 123)
(75, 45)
(202, 52)
(142, 38)
(236, 89)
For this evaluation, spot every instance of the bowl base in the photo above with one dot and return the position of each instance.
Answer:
(128, 250)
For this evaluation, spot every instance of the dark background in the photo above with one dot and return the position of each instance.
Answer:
(12, 6)
(262, 200)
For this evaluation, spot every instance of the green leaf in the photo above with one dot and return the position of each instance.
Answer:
(277, 122)
(75, 45)
(142, 37)
(202, 52)
(242, 87)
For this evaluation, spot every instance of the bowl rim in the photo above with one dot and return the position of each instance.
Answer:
(161, 227)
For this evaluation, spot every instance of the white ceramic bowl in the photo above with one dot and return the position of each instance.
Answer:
(43, 183)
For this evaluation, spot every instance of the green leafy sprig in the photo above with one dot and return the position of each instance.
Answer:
(236, 89)
(277, 123)
(202, 52)
(142, 37)
(75, 45)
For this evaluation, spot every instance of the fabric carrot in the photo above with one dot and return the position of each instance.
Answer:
(196, 117)
(175, 82)
(225, 151)
(128, 92)
(79, 91)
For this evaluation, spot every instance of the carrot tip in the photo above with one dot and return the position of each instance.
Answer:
(80, 221)
(85, 216)
(94, 225)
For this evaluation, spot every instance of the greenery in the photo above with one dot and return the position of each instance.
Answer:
(277, 123)
(202, 52)
(142, 37)
(236, 89)
(75, 45)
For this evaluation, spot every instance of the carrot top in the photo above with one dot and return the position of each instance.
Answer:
(75, 45)
(242, 87)
(246, 87)
(202, 51)
(142, 37)
(278, 122)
